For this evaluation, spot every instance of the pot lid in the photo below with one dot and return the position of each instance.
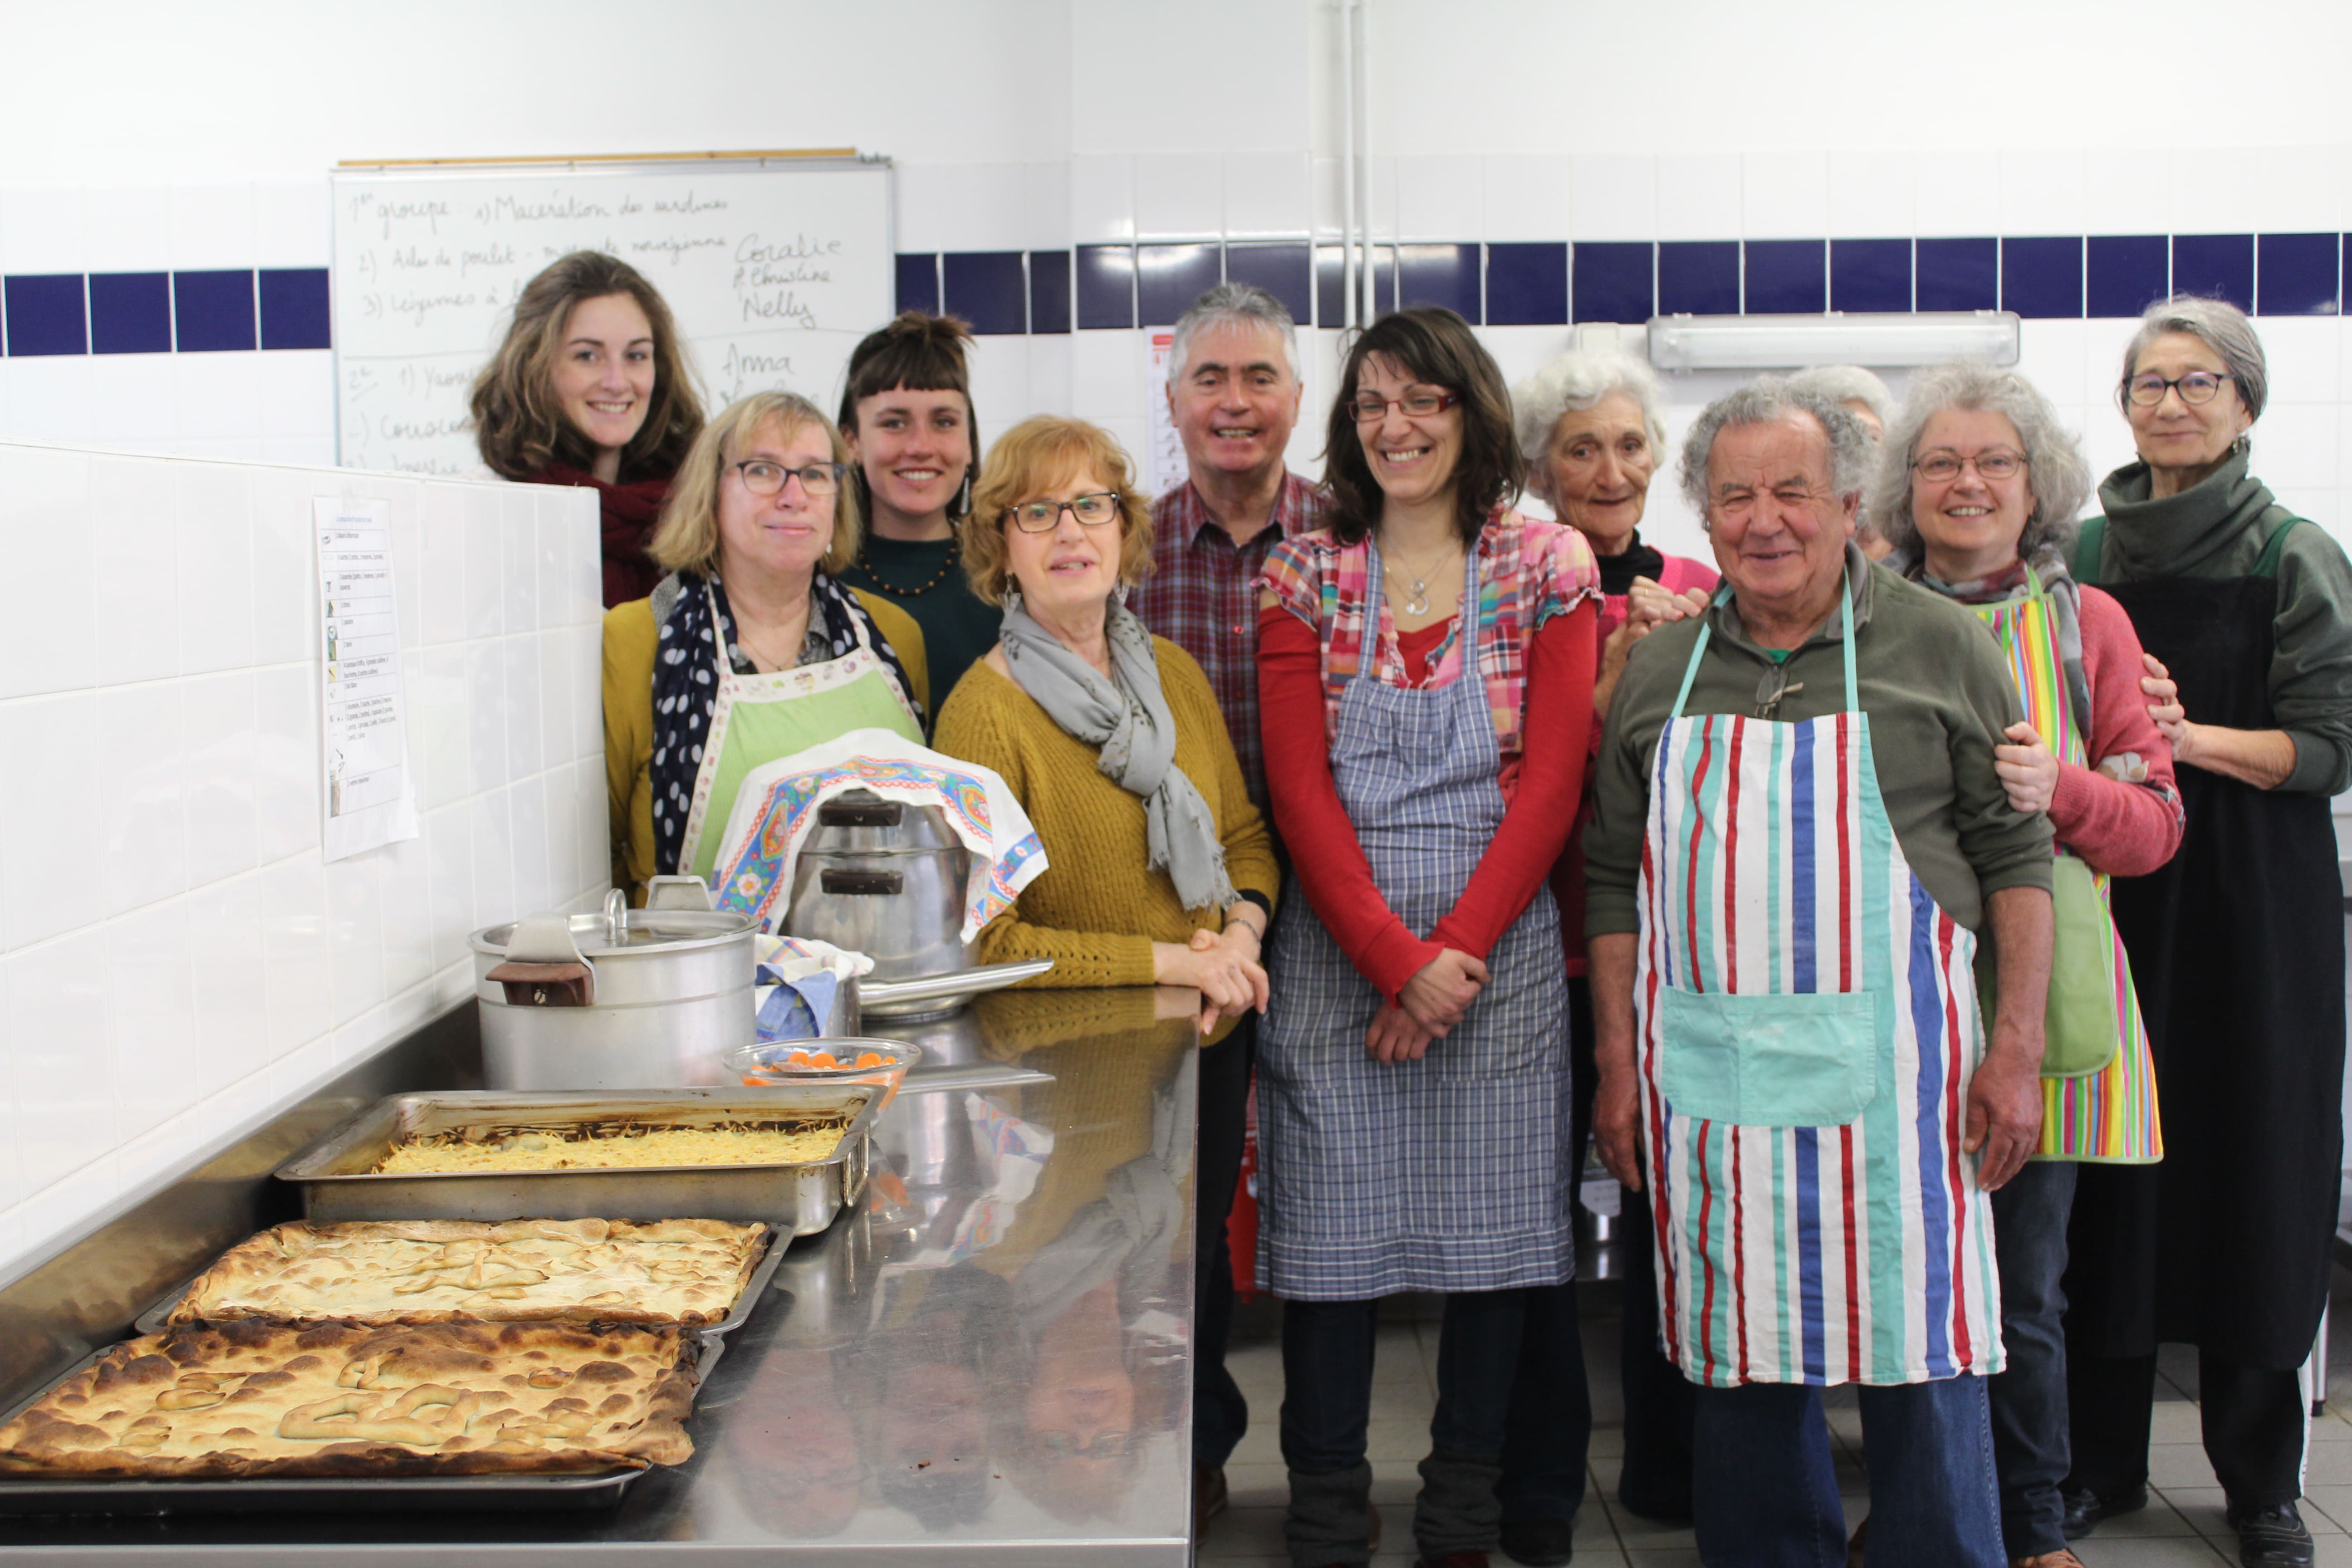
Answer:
(860, 822)
(616, 930)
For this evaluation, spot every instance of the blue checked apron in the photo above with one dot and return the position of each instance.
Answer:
(1807, 1025)
(1452, 1172)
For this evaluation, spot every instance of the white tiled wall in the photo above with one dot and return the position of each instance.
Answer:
(175, 957)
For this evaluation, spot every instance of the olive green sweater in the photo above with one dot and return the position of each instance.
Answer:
(1937, 695)
(2212, 529)
(1096, 908)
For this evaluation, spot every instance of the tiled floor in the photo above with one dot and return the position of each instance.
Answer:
(2182, 1524)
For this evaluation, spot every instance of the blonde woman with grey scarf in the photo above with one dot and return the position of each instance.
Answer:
(1159, 871)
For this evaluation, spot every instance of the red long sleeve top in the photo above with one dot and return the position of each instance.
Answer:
(1325, 854)
(2122, 814)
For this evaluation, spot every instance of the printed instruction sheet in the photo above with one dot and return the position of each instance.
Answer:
(370, 797)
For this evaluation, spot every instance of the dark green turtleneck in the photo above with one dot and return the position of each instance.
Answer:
(2211, 530)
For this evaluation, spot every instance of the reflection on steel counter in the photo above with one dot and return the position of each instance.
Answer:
(989, 1370)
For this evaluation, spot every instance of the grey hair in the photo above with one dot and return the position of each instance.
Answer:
(1577, 381)
(1849, 384)
(2053, 455)
(1236, 304)
(1765, 401)
(2219, 326)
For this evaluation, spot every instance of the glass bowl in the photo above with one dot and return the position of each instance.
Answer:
(854, 1060)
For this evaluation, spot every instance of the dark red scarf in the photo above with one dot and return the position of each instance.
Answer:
(630, 511)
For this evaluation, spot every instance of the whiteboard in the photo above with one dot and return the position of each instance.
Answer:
(773, 269)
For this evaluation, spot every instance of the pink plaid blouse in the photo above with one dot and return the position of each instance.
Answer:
(1528, 571)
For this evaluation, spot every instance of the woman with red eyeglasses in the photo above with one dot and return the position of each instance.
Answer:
(1425, 680)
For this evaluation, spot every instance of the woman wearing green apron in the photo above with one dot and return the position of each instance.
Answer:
(1976, 494)
(748, 650)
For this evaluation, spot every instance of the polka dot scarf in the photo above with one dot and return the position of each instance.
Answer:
(685, 686)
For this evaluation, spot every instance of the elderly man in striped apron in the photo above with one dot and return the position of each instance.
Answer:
(1799, 842)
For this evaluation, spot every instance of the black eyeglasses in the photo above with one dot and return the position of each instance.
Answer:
(1044, 516)
(763, 477)
(1370, 410)
(2196, 387)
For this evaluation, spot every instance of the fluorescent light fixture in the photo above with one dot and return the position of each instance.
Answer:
(1789, 343)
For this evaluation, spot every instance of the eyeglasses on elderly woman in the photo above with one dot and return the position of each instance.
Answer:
(2197, 386)
(1942, 468)
(1092, 510)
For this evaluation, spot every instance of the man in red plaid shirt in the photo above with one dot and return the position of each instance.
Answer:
(1234, 391)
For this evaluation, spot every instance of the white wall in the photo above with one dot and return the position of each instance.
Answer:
(201, 138)
(177, 960)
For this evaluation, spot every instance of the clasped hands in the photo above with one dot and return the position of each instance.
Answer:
(1225, 967)
(1434, 1001)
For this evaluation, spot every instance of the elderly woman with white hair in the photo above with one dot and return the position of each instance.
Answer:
(1590, 427)
(1863, 394)
(1975, 490)
(2236, 944)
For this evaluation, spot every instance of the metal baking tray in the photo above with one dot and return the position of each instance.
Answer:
(798, 1200)
(771, 1245)
(31, 1496)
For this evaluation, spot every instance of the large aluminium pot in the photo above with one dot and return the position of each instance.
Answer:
(645, 998)
(886, 878)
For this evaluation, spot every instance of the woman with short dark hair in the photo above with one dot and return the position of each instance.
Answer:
(1425, 674)
(907, 413)
(591, 388)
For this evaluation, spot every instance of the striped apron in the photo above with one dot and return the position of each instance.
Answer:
(1807, 1025)
(1454, 1173)
(2109, 1116)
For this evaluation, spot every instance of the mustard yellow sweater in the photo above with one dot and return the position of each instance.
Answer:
(630, 636)
(1096, 909)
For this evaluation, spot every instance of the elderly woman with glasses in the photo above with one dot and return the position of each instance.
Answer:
(747, 649)
(1592, 428)
(1159, 871)
(1425, 672)
(1977, 489)
(2236, 944)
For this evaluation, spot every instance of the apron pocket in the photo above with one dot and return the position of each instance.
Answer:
(1768, 1059)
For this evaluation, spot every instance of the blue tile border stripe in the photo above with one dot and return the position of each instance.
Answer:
(1147, 283)
(163, 312)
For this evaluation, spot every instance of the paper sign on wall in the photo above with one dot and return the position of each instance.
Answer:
(1163, 457)
(370, 797)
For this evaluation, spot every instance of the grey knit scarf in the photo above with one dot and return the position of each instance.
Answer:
(1128, 719)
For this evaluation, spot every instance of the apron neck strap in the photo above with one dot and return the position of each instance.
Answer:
(1706, 629)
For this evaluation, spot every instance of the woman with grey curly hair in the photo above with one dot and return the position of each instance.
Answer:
(2225, 1245)
(1977, 489)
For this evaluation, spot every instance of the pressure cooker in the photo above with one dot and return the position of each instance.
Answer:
(884, 878)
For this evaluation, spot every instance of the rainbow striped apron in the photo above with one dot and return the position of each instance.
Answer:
(2108, 1117)
(1807, 1027)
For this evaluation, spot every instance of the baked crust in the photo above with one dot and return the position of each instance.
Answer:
(254, 1398)
(437, 1271)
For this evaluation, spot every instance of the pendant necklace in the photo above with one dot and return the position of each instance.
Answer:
(1416, 601)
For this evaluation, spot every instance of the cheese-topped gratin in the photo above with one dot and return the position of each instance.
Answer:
(260, 1398)
(527, 1271)
(615, 1147)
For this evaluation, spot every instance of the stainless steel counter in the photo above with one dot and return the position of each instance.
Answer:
(987, 1363)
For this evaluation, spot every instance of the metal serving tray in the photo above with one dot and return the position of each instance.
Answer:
(31, 1496)
(798, 1200)
(771, 1245)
